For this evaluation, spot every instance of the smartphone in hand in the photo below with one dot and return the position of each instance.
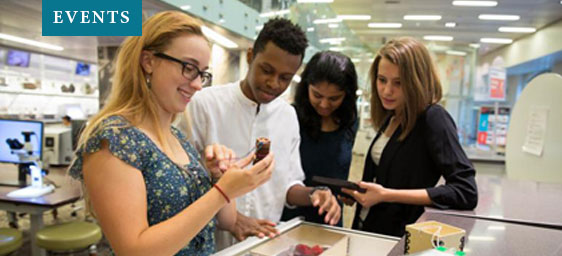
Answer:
(336, 185)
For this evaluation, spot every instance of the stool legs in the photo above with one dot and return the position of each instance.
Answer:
(93, 250)
(12, 220)
(55, 214)
(36, 225)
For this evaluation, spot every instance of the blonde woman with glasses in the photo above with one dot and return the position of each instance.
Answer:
(143, 179)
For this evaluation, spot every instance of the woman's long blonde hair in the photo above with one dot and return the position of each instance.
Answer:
(418, 79)
(130, 95)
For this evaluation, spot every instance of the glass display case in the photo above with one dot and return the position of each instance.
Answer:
(298, 233)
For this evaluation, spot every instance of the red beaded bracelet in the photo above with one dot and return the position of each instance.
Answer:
(222, 192)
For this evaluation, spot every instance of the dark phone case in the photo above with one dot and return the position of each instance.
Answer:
(337, 184)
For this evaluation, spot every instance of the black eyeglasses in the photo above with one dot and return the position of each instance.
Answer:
(190, 71)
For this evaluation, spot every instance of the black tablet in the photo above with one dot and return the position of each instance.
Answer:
(336, 184)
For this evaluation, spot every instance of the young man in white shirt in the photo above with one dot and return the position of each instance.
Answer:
(236, 114)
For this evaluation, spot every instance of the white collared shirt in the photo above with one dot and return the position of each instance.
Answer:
(378, 147)
(224, 115)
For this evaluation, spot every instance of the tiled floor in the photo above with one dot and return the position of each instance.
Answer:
(8, 173)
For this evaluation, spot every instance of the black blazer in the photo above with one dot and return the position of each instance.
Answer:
(431, 150)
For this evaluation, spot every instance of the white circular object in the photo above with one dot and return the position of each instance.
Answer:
(534, 147)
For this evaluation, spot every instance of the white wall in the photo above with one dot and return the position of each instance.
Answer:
(224, 65)
(545, 41)
(557, 68)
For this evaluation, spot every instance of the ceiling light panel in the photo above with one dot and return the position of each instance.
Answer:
(498, 17)
(475, 3)
(422, 17)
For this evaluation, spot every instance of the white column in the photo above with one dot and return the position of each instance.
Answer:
(243, 64)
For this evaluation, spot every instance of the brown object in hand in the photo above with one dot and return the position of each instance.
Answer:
(262, 148)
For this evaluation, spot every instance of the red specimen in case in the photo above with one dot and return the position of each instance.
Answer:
(305, 250)
(317, 250)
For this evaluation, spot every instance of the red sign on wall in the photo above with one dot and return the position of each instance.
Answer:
(497, 90)
(482, 138)
(497, 83)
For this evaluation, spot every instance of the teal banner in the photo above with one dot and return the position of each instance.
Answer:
(92, 18)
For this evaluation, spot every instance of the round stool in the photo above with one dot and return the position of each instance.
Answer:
(69, 237)
(10, 240)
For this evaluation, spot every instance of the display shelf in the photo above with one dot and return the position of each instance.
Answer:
(40, 93)
(488, 126)
(477, 155)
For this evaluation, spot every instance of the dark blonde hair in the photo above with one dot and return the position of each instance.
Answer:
(130, 95)
(418, 79)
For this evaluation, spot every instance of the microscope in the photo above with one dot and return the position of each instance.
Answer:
(28, 163)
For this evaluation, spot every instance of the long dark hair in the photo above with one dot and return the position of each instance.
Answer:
(334, 68)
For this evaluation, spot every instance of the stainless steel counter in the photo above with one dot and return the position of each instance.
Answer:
(487, 237)
(527, 202)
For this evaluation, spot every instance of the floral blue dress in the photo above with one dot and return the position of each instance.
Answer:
(169, 187)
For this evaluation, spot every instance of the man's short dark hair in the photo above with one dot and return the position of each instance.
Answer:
(67, 118)
(284, 34)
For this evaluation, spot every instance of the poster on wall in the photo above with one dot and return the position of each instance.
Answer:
(480, 85)
(496, 82)
(536, 130)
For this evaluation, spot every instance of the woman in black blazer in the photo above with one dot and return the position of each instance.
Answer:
(415, 145)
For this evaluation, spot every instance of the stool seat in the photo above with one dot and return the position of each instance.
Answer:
(69, 236)
(10, 240)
